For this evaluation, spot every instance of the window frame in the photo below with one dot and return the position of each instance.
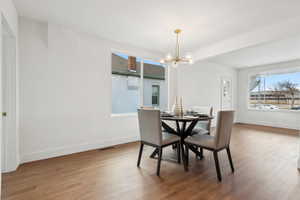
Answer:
(141, 83)
(273, 71)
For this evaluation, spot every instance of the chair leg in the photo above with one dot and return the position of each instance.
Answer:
(159, 160)
(154, 153)
(178, 152)
(217, 166)
(186, 163)
(201, 153)
(140, 154)
(200, 149)
(230, 159)
(187, 154)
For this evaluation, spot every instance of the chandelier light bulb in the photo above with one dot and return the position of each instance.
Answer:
(168, 56)
(188, 56)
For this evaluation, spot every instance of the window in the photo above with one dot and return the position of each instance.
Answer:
(137, 82)
(274, 91)
(155, 95)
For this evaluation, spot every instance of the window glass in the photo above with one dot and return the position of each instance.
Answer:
(275, 91)
(155, 90)
(126, 75)
(155, 95)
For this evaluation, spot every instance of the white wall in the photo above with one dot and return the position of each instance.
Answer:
(172, 85)
(65, 99)
(200, 84)
(283, 119)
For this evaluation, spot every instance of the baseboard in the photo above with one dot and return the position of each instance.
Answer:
(11, 168)
(51, 153)
(268, 124)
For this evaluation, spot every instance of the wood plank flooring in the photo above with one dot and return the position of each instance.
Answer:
(265, 161)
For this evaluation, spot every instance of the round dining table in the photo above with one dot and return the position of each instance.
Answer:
(184, 128)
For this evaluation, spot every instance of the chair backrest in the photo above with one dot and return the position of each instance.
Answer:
(147, 108)
(224, 128)
(150, 126)
(208, 110)
(203, 109)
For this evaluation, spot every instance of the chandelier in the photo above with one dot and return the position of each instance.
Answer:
(177, 58)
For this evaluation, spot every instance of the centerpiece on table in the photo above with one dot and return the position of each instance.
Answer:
(177, 107)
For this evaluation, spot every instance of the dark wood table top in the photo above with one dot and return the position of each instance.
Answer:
(186, 118)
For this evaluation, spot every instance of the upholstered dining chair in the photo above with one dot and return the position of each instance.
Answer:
(203, 127)
(215, 143)
(151, 134)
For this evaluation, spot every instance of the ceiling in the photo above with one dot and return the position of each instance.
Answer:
(150, 24)
(266, 53)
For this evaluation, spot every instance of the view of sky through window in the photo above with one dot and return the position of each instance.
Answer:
(275, 78)
(139, 60)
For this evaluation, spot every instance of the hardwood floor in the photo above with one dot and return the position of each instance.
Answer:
(265, 161)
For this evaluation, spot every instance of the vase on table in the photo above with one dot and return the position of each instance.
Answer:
(177, 108)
